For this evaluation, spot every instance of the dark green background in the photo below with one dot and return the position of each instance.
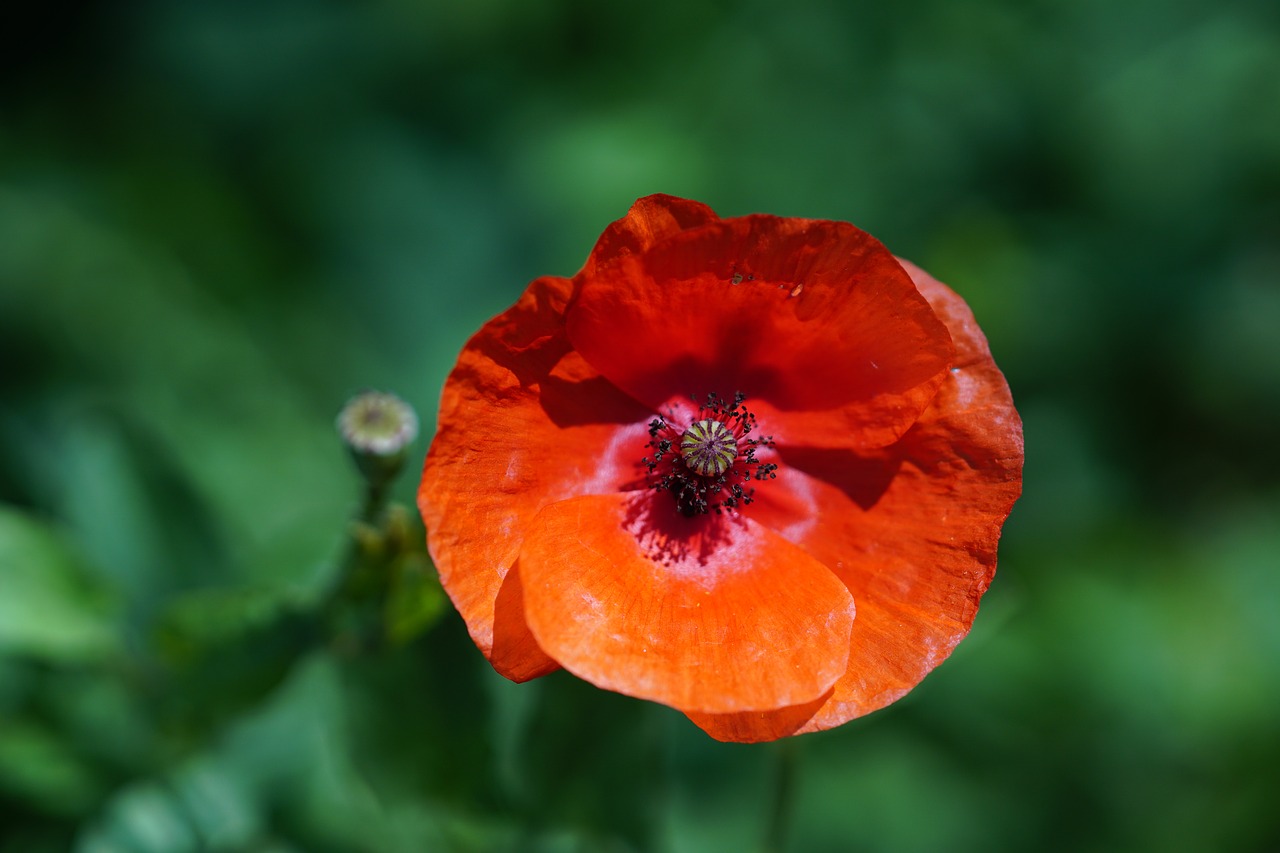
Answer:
(220, 219)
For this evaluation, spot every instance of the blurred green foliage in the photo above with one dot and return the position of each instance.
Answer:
(219, 220)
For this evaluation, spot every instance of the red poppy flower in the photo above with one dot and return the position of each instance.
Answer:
(751, 468)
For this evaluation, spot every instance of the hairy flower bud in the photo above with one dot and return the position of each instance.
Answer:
(378, 428)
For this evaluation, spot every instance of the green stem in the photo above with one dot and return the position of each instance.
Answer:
(357, 589)
(375, 502)
(786, 756)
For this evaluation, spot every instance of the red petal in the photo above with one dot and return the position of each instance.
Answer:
(823, 330)
(911, 529)
(710, 614)
(649, 221)
(523, 422)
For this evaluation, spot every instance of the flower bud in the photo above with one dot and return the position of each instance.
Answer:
(378, 429)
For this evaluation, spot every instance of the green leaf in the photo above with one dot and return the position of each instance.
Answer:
(227, 650)
(199, 621)
(50, 607)
(39, 766)
(144, 818)
(415, 600)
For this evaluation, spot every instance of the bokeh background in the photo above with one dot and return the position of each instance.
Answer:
(218, 220)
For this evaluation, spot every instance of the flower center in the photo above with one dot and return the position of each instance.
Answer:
(719, 460)
(708, 448)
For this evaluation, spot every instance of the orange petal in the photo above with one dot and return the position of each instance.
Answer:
(911, 529)
(758, 726)
(523, 422)
(712, 614)
(814, 321)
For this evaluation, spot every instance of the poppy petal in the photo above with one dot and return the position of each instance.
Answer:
(815, 321)
(524, 422)
(712, 614)
(758, 726)
(649, 221)
(911, 529)
(895, 457)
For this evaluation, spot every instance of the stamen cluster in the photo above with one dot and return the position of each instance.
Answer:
(711, 464)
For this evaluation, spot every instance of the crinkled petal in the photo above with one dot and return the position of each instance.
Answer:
(713, 615)
(523, 422)
(649, 221)
(911, 529)
(814, 321)
(900, 458)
